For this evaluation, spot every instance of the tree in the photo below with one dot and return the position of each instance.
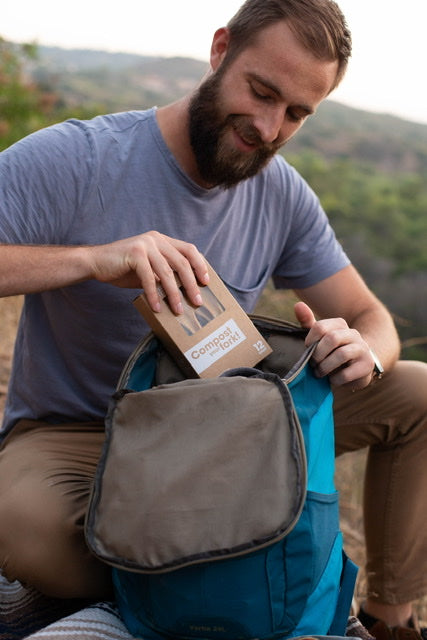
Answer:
(24, 106)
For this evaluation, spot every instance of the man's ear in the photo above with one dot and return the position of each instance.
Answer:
(219, 47)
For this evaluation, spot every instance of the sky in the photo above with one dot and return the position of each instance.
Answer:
(386, 73)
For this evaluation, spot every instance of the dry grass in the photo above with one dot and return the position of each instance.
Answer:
(350, 467)
(9, 313)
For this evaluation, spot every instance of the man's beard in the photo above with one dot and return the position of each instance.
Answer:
(219, 164)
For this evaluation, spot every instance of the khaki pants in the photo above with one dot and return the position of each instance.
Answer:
(46, 473)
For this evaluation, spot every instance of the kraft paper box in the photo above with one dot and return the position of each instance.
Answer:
(206, 340)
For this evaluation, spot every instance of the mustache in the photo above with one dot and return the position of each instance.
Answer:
(250, 134)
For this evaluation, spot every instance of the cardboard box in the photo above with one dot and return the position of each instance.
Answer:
(206, 340)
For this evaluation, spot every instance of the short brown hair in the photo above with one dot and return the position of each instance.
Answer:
(318, 24)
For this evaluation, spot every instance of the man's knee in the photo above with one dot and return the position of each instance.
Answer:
(42, 539)
(32, 531)
(387, 411)
(410, 378)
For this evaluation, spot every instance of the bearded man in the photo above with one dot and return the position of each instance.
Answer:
(92, 210)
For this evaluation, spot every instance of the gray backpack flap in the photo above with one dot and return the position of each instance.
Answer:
(200, 469)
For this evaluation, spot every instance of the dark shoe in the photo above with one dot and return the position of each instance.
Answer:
(381, 631)
(409, 633)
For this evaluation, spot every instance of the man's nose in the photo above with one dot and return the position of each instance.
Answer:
(269, 123)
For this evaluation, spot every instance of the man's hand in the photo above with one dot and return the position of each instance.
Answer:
(141, 261)
(341, 353)
(149, 259)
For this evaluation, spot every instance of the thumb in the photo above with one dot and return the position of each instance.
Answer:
(304, 315)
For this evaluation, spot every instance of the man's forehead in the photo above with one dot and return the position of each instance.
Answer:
(279, 50)
(293, 75)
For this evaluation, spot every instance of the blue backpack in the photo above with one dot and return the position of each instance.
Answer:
(289, 580)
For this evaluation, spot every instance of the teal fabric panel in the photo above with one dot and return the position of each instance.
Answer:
(320, 607)
(227, 604)
(143, 371)
(313, 401)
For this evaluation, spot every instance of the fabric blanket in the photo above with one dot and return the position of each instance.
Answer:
(25, 613)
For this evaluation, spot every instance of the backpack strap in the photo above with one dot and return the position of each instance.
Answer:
(348, 580)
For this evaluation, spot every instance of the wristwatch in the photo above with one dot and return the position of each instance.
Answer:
(378, 368)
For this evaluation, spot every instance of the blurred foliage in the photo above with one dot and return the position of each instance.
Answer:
(380, 219)
(23, 105)
(27, 104)
(390, 144)
(387, 210)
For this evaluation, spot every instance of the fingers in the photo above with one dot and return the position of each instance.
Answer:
(164, 258)
(191, 269)
(304, 315)
(151, 259)
(341, 352)
(347, 361)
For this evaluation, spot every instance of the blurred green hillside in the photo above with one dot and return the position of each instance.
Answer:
(369, 170)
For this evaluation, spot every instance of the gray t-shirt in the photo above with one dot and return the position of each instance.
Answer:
(97, 181)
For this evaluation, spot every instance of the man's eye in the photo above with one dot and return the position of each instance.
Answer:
(260, 95)
(294, 116)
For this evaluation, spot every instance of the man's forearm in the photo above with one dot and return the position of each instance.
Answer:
(31, 269)
(136, 262)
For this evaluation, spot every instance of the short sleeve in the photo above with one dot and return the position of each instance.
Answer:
(44, 179)
(312, 251)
